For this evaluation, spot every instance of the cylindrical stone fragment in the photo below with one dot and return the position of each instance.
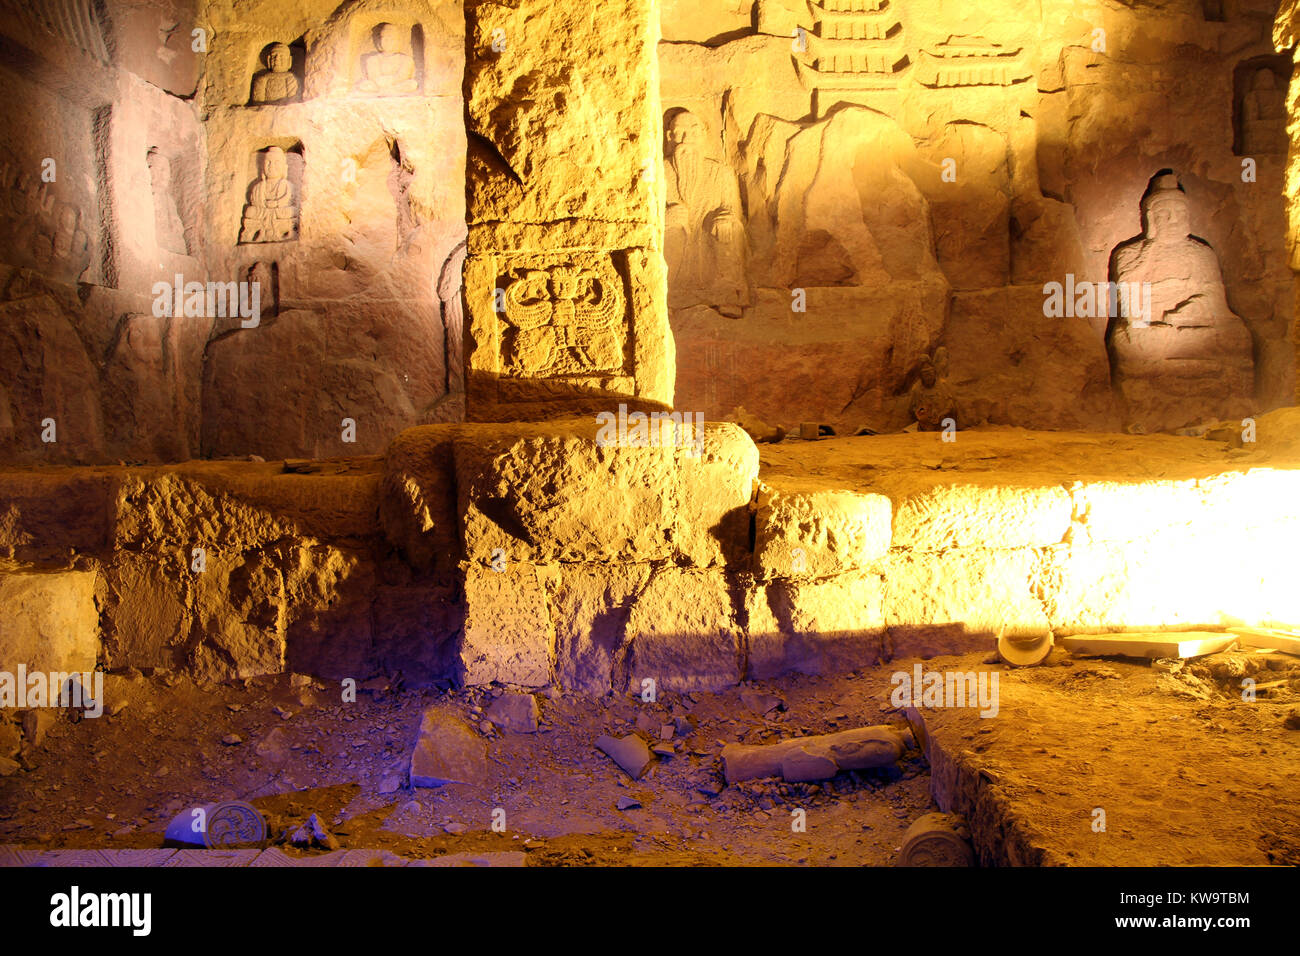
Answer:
(814, 758)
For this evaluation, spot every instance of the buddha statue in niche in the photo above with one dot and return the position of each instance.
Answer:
(271, 214)
(388, 71)
(276, 84)
(1186, 281)
(704, 238)
(1183, 356)
(1263, 116)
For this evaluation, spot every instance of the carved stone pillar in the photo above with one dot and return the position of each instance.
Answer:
(564, 281)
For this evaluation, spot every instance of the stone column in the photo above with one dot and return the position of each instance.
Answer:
(564, 281)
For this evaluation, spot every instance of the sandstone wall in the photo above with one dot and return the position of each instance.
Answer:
(836, 122)
(818, 243)
(156, 121)
(86, 362)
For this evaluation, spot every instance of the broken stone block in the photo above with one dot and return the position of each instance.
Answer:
(555, 495)
(975, 516)
(514, 713)
(827, 626)
(1288, 642)
(36, 724)
(11, 739)
(1152, 645)
(447, 751)
(50, 622)
(590, 605)
(313, 833)
(630, 753)
(147, 618)
(508, 633)
(683, 632)
(818, 533)
(956, 601)
(239, 613)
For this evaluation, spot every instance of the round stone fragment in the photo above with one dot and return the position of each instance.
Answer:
(937, 839)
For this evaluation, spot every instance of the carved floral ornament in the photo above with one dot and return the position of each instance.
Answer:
(564, 318)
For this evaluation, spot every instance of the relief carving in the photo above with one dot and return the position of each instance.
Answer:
(271, 214)
(566, 318)
(168, 228)
(277, 83)
(388, 71)
(1185, 355)
(704, 240)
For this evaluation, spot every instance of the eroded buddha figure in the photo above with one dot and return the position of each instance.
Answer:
(276, 84)
(168, 228)
(1182, 356)
(704, 241)
(1263, 116)
(932, 398)
(388, 70)
(271, 215)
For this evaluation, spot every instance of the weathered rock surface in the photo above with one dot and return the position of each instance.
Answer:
(514, 713)
(447, 751)
(50, 623)
(814, 534)
(630, 753)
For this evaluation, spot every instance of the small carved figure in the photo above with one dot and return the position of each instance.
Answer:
(704, 237)
(271, 214)
(388, 70)
(168, 228)
(1263, 116)
(933, 400)
(276, 84)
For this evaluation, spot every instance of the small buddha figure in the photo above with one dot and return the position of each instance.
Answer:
(933, 400)
(1184, 356)
(168, 228)
(276, 84)
(388, 70)
(271, 215)
(1263, 116)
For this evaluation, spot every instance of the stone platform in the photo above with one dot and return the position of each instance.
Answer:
(1124, 763)
(533, 554)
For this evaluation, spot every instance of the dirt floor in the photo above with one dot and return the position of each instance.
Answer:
(118, 780)
(1186, 771)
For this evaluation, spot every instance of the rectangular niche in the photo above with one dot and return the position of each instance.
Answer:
(173, 191)
(51, 177)
(278, 74)
(272, 209)
(387, 58)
